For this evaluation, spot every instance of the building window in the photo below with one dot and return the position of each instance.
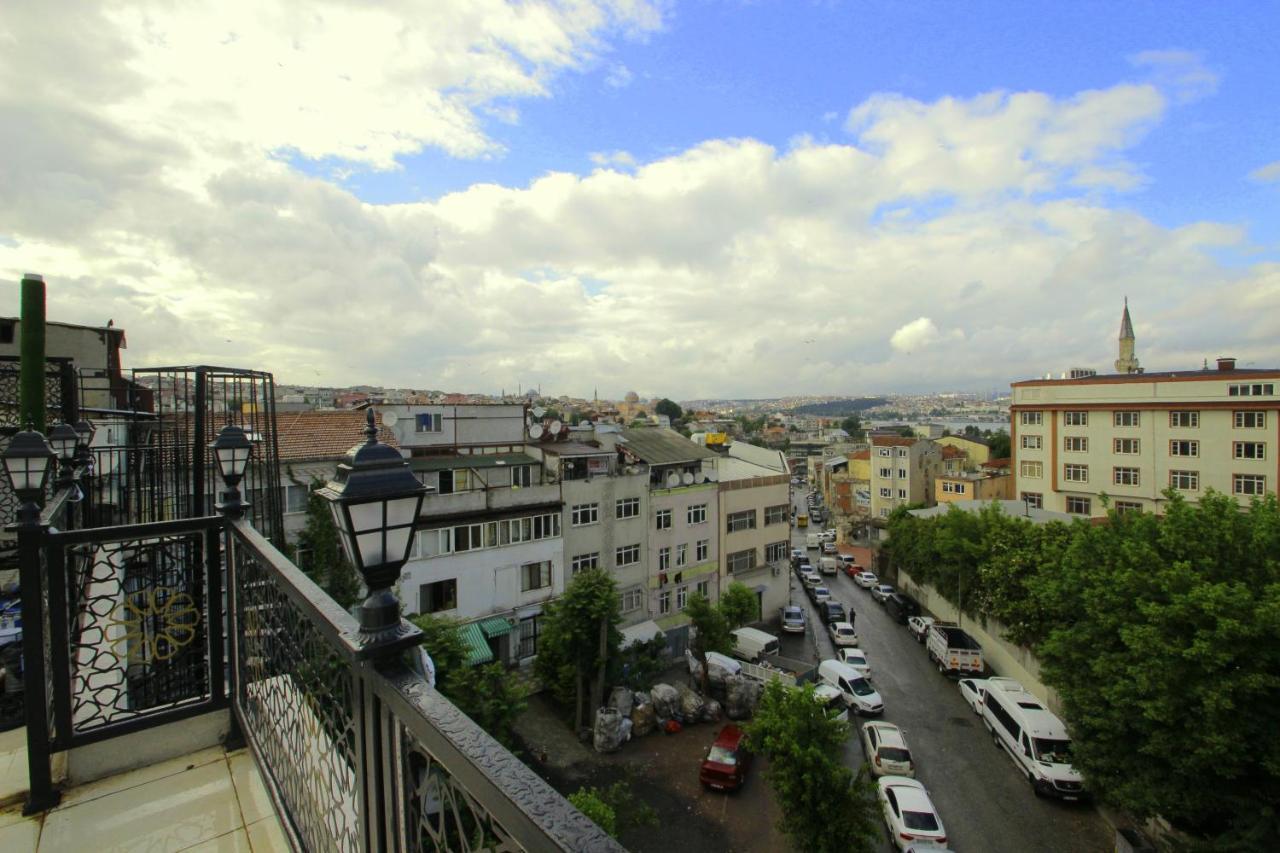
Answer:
(664, 558)
(1185, 481)
(682, 555)
(627, 555)
(776, 552)
(1127, 419)
(704, 589)
(741, 561)
(1251, 390)
(1124, 476)
(1125, 446)
(1075, 444)
(632, 599)
(682, 596)
(295, 498)
(584, 514)
(522, 476)
(1248, 484)
(1249, 449)
(902, 473)
(1183, 447)
(697, 514)
(902, 494)
(529, 637)
(627, 508)
(884, 512)
(884, 451)
(777, 514)
(1250, 420)
(1035, 500)
(902, 452)
(701, 549)
(663, 517)
(1184, 420)
(582, 562)
(1078, 505)
(664, 602)
(886, 473)
(1122, 507)
(427, 422)
(886, 492)
(1031, 418)
(1075, 418)
(1075, 473)
(1031, 469)
(438, 596)
(535, 575)
(1032, 442)
(738, 521)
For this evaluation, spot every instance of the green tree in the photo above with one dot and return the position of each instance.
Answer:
(824, 806)
(853, 426)
(569, 647)
(441, 639)
(739, 605)
(319, 553)
(999, 444)
(710, 631)
(617, 807)
(489, 696)
(669, 408)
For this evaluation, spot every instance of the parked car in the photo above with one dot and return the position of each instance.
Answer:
(833, 701)
(908, 812)
(919, 627)
(820, 594)
(901, 607)
(886, 750)
(846, 560)
(832, 611)
(974, 690)
(726, 763)
(797, 554)
(805, 568)
(866, 580)
(810, 579)
(842, 634)
(852, 570)
(881, 591)
(856, 658)
(750, 644)
(828, 548)
(858, 693)
(793, 620)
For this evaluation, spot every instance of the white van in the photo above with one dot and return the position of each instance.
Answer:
(827, 565)
(858, 693)
(749, 644)
(1035, 739)
(813, 540)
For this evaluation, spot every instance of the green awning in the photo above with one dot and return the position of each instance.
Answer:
(496, 626)
(478, 650)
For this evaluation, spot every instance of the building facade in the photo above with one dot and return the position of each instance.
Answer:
(755, 523)
(902, 472)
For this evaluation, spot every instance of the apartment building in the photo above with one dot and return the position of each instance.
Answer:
(755, 522)
(951, 487)
(1132, 435)
(903, 471)
(976, 450)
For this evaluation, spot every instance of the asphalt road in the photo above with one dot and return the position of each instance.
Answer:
(985, 803)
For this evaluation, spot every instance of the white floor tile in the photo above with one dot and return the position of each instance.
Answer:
(20, 837)
(255, 804)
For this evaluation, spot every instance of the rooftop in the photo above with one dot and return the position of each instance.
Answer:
(663, 447)
(1202, 375)
(313, 436)
(1021, 508)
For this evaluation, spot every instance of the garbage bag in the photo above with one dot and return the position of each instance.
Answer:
(711, 711)
(666, 700)
(609, 734)
(691, 705)
(643, 720)
(741, 696)
(621, 700)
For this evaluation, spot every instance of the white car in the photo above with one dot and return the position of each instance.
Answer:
(842, 634)
(909, 813)
(855, 658)
(866, 580)
(886, 750)
(811, 579)
(819, 594)
(881, 591)
(793, 619)
(828, 548)
(974, 690)
(833, 700)
(919, 627)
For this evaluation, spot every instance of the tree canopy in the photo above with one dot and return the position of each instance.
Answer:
(569, 643)
(319, 553)
(739, 605)
(669, 408)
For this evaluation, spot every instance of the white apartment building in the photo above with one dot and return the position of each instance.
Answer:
(1132, 435)
(902, 472)
(755, 522)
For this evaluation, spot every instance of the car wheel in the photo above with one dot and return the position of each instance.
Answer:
(1035, 789)
(995, 738)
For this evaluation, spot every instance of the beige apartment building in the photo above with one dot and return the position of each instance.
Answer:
(902, 472)
(1131, 435)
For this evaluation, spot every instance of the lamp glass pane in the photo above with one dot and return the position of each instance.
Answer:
(398, 541)
(365, 517)
(372, 548)
(31, 473)
(65, 448)
(352, 557)
(401, 510)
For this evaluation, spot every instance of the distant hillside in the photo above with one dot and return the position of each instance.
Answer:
(840, 408)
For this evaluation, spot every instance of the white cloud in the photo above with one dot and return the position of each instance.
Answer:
(1181, 72)
(1267, 174)
(613, 159)
(619, 76)
(918, 334)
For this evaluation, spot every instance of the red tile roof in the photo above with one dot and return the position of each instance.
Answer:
(306, 436)
(997, 463)
(949, 452)
(862, 454)
(892, 441)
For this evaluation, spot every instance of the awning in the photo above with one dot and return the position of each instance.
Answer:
(478, 650)
(496, 626)
(640, 633)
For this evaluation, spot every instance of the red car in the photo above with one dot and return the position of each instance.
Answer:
(725, 767)
(852, 569)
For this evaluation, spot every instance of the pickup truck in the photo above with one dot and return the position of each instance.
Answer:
(953, 650)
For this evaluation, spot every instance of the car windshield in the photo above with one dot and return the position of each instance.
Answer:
(895, 753)
(720, 755)
(845, 632)
(855, 660)
(920, 821)
(1053, 751)
(862, 687)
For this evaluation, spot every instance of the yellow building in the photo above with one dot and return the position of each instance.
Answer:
(975, 449)
(969, 486)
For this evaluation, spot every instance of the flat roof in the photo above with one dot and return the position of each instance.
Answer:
(663, 446)
(575, 448)
(448, 463)
(1201, 375)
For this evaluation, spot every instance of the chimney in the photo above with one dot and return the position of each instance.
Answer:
(1226, 363)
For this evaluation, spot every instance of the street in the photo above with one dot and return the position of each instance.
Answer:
(984, 801)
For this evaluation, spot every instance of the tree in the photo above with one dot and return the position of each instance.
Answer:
(489, 696)
(999, 444)
(824, 806)
(739, 605)
(319, 553)
(853, 426)
(579, 637)
(710, 631)
(669, 408)
(442, 641)
(615, 809)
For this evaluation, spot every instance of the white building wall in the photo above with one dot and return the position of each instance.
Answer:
(488, 579)
(609, 533)
(678, 501)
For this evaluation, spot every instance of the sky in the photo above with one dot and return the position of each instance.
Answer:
(699, 199)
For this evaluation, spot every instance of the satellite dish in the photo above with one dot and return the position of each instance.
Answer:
(389, 418)
(585, 424)
(687, 478)
(555, 427)
(535, 431)
(673, 480)
(631, 469)
(538, 411)
(712, 476)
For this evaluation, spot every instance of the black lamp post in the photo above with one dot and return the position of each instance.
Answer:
(63, 439)
(375, 501)
(232, 448)
(85, 430)
(27, 460)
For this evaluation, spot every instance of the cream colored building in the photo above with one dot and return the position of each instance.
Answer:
(976, 449)
(902, 472)
(755, 523)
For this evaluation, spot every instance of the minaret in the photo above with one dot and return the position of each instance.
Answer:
(1127, 362)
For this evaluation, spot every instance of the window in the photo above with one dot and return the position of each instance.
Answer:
(1125, 446)
(777, 514)
(1031, 469)
(467, 537)
(632, 599)
(776, 552)
(902, 452)
(663, 517)
(697, 514)
(664, 602)
(438, 596)
(1184, 420)
(1031, 418)
(1250, 420)
(1075, 418)
(1184, 448)
(1124, 476)
(886, 473)
(584, 514)
(1127, 506)
(884, 512)
(529, 637)
(682, 555)
(1079, 506)
(627, 508)
(885, 451)
(627, 555)
(1075, 473)
(427, 422)
(1127, 419)
(1075, 444)
(664, 558)
(701, 550)
(535, 575)
(582, 562)
(1248, 484)
(902, 473)
(295, 498)
(682, 596)
(1032, 442)
(886, 492)
(704, 589)
(741, 561)
(738, 521)
(1186, 481)
(1035, 500)
(1251, 390)
(902, 494)
(1249, 449)
(521, 476)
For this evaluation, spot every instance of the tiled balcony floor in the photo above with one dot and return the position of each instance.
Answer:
(210, 800)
